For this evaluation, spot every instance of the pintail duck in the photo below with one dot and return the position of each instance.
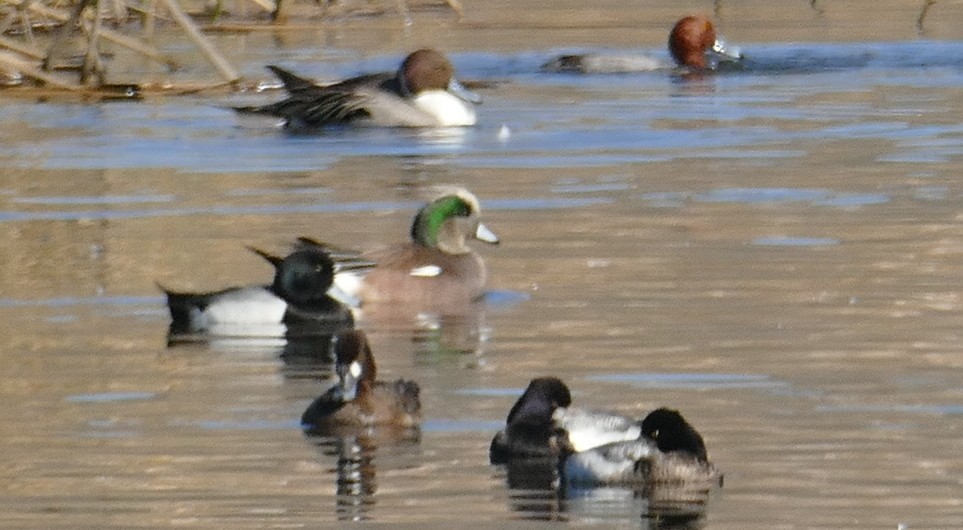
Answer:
(422, 93)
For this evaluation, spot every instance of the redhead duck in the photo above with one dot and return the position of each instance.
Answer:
(357, 399)
(541, 425)
(436, 267)
(422, 93)
(693, 44)
(298, 295)
(670, 450)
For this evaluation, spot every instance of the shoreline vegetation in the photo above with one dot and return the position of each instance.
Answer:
(52, 47)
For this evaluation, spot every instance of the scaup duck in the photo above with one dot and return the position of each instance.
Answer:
(542, 425)
(670, 450)
(358, 399)
(299, 294)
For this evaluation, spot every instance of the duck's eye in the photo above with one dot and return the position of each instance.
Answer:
(655, 433)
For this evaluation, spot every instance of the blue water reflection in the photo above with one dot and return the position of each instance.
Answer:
(624, 118)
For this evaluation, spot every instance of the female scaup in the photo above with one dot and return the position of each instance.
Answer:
(358, 399)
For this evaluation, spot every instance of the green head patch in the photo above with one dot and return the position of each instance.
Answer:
(430, 219)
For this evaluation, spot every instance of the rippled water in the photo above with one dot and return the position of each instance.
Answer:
(776, 252)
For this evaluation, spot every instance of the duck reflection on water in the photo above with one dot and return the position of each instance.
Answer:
(355, 458)
(435, 334)
(537, 491)
(356, 415)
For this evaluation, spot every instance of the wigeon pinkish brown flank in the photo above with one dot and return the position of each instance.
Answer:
(422, 93)
(693, 43)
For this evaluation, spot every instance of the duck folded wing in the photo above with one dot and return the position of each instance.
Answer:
(615, 463)
(316, 108)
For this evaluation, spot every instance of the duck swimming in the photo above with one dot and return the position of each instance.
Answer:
(693, 44)
(435, 267)
(299, 294)
(422, 93)
(670, 450)
(358, 399)
(600, 448)
(541, 424)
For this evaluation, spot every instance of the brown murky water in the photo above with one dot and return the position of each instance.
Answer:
(778, 254)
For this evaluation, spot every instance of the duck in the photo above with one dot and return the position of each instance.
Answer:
(693, 44)
(669, 451)
(435, 267)
(358, 399)
(422, 93)
(542, 424)
(299, 295)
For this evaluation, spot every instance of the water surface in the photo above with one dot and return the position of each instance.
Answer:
(776, 252)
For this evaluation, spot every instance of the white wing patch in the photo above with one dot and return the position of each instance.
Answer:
(428, 271)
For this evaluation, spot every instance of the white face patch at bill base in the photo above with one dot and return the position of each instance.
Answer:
(355, 369)
(427, 271)
(349, 381)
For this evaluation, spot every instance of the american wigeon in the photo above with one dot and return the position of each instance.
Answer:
(693, 44)
(422, 93)
(357, 399)
(541, 424)
(436, 267)
(670, 450)
(299, 294)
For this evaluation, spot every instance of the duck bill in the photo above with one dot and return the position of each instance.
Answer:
(349, 389)
(482, 233)
(458, 90)
(724, 51)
